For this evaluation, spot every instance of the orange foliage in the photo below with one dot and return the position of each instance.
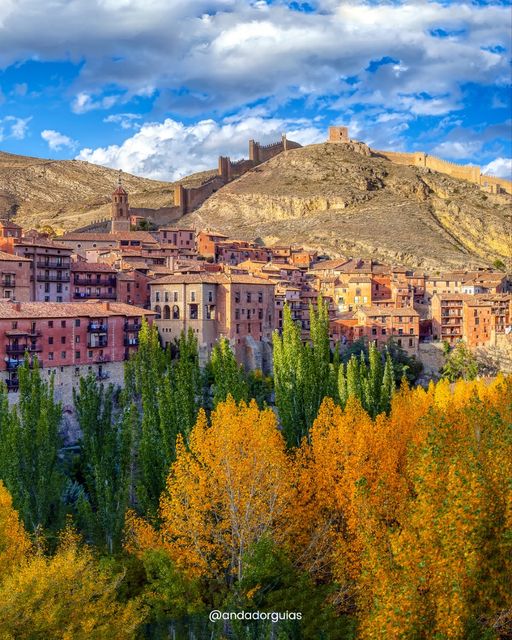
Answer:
(230, 487)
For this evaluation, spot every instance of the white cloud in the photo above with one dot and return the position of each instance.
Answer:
(219, 54)
(56, 140)
(457, 150)
(501, 168)
(13, 127)
(169, 150)
(125, 120)
(84, 102)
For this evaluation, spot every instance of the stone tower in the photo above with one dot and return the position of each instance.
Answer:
(120, 208)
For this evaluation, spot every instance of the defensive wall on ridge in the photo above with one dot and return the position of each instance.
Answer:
(471, 173)
(186, 199)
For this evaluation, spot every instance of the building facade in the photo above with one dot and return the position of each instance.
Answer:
(240, 308)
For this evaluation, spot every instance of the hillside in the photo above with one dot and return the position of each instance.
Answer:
(342, 200)
(69, 193)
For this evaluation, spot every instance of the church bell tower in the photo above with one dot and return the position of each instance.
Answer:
(120, 208)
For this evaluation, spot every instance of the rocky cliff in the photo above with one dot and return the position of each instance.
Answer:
(342, 199)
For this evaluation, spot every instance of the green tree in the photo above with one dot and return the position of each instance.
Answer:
(29, 450)
(460, 363)
(106, 462)
(228, 376)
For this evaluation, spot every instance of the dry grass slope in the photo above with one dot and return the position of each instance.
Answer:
(68, 193)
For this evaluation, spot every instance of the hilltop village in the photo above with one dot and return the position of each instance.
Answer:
(76, 302)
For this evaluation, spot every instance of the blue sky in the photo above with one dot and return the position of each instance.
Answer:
(160, 88)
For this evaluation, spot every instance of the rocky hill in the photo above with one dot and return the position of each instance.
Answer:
(344, 200)
(70, 193)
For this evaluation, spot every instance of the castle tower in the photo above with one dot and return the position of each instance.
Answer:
(338, 134)
(120, 208)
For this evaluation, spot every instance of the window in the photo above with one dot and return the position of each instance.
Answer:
(77, 322)
(63, 340)
(77, 355)
(260, 296)
(14, 325)
(175, 312)
(400, 332)
(166, 296)
(411, 342)
(77, 339)
(249, 296)
(167, 312)
(238, 328)
(50, 355)
(50, 340)
(411, 331)
(237, 297)
(63, 324)
(193, 296)
(194, 311)
(50, 324)
(47, 298)
(89, 354)
(374, 331)
(63, 354)
(59, 299)
(59, 287)
(157, 296)
(383, 331)
(237, 314)
(210, 296)
(175, 296)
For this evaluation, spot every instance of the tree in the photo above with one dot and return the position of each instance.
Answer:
(303, 373)
(460, 363)
(168, 392)
(229, 488)
(106, 461)
(228, 375)
(29, 450)
(67, 595)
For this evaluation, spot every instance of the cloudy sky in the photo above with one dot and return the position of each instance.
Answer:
(160, 88)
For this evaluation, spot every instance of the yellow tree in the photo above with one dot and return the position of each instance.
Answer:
(66, 596)
(448, 574)
(15, 544)
(226, 491)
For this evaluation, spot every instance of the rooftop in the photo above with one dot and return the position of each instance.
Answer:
(89, 309)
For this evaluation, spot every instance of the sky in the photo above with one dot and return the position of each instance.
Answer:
(161, 88)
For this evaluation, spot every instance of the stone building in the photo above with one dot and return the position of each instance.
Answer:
(93, 280)
(240, 308)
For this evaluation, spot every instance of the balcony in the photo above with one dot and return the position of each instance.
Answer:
(52, 264)
(128, 326)
(22, 348)
(98, 344)
(94, 296)
(59, 278)
(131, 342)
(8, 282)
(97, 327)
(102, 359)
(13, 364)
(89, 282)
(21, 332)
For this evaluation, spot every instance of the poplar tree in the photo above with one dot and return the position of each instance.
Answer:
(29, 450)
(228, 376)
(105, 451)
(288, 372)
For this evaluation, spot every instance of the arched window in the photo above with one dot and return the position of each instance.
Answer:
(158, 312)
(175, 312)
(167, 312)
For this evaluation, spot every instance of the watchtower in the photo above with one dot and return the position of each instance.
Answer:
(338, 134)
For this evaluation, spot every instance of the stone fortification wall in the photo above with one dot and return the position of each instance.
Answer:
(471, 173)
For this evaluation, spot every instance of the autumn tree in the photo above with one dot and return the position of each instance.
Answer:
(460, 363)
(226, 490)
(29, 450)
(66, 595)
